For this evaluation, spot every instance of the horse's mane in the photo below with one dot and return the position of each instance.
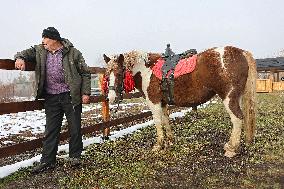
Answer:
(133, 57)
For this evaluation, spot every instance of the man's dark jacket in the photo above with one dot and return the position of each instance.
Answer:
(76, 72)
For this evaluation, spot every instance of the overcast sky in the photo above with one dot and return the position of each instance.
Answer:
(116, 26)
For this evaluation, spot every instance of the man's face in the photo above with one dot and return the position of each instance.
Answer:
(48, 43)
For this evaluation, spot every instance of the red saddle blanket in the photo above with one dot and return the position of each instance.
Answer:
(184, 66)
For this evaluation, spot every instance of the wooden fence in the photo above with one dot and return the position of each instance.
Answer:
(268, 85)
(14, 107)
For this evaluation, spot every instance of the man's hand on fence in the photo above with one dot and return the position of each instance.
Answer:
(85, 99)
(20, 64)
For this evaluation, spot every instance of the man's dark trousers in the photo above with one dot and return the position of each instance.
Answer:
(55, 107)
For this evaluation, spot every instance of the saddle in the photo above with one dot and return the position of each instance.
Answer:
(168, 68)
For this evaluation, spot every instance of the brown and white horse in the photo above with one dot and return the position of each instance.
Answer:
(228, 71)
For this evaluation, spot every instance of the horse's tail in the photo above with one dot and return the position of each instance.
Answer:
(249, 99)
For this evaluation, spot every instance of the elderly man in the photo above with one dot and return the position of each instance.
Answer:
(63, 80)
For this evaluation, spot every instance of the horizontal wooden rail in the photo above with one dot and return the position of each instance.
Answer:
(97, 70)
(8, 64)
(15, 107)
(33, 144)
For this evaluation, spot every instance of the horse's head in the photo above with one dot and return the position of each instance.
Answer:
(122, 69)
(114, 75)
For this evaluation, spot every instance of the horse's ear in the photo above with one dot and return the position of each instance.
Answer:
(106, 58)
(120, 59)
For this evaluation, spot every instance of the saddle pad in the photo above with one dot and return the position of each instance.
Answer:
(184, 66)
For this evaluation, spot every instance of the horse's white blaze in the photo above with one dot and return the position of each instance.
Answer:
(221, 51)
(237, 127)
(111, 94)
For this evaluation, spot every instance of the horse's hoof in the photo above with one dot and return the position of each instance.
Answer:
(230, 154)
(156, 148)
(168, 144)
(229, 151)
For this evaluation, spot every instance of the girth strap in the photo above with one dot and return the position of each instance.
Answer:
(168, 69)
(168, 82)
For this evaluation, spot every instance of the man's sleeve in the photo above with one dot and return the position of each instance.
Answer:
(84, 71)
(28, 55)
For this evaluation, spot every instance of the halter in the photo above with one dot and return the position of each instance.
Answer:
(119, 88)
(125, 83)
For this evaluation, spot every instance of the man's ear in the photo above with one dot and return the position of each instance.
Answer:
(120, 59)
(106, 58)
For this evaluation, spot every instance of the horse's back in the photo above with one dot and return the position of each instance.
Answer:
(222, 68)
(218, 71)
(224, 59)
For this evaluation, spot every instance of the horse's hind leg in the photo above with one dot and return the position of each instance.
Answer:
(232, 105)
(168, 128)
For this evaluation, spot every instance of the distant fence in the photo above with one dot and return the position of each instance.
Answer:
(268, 86)
(14, 107)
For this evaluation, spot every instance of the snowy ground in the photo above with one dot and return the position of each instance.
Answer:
(34, 122)
(30, 124)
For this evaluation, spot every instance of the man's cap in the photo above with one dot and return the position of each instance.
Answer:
(51, 33)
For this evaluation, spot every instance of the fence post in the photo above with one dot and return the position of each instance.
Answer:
(271, 80)
(105, 111)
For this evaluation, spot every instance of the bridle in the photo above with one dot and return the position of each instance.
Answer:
(118, 86)
(124, 81)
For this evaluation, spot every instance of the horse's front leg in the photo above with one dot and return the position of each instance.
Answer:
(157, 116)
(160, 133)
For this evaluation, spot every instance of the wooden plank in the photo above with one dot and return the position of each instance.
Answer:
(132, 95)
(20, 148)
(106, 117)
(96, 99)
(105, 109)
(102, 98)
(278, 86)
(33, 144)
(261, 85)
(103, 125)
(264, 85)
(97, 70)
(8, 64)
(15, 107)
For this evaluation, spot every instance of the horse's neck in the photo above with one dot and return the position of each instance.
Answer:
(140, 67)
(136, 64)
(145, 73)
